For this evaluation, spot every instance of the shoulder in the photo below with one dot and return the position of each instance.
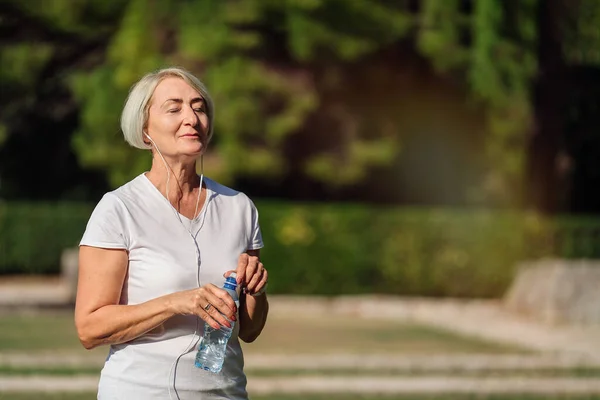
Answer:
(118, 199)
(128, 192)
(228, 195)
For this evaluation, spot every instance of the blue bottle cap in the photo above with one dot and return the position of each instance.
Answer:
(230, 280)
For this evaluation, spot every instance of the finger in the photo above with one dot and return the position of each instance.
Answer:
(224, 303)
(256, 278)
(226, 274)
(218, 311)
(251, 269)
(206, 315)
(241, 268)
(218, 316)
(219, 299)
(263, 281)
(205, 309)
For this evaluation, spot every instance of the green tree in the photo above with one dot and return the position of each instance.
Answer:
(261, 98)
(42, 43)
(266, 64)
(492, 47)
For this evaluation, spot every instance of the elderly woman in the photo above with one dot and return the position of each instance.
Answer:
(156, 252)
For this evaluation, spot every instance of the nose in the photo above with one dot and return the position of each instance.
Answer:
(190, 117)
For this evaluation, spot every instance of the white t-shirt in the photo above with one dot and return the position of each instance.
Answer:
(165, 258)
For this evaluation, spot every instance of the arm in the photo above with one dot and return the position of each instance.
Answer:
(253, 310)
(253, 316)
(101, 320)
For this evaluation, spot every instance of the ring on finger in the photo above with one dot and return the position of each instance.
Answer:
(207, 307)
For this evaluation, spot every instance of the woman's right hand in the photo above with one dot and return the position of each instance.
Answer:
(214, 305)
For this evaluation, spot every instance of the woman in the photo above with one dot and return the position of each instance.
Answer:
(156, 252)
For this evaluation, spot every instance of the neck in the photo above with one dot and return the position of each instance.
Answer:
(183, 176)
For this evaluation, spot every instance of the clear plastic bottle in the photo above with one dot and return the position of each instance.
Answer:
(213, 344)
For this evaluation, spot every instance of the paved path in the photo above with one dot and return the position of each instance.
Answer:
(556, 347)
(445, 374)
(347, 384)
(400, 363)
(484, 319)
(427, 385)
(34, 292)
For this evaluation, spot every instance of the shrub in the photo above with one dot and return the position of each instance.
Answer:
(346, 248)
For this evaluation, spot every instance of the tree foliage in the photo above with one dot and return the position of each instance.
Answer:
(261, 97)
(265, 61)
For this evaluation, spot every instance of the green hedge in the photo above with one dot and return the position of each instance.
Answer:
(335, 249)
(345, 248)
(33, 235)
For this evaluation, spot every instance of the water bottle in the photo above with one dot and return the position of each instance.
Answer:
(213, 345)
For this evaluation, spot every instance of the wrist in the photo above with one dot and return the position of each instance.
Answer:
(169, 305)
(261, 292)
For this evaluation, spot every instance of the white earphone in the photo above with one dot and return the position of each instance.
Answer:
(194, 340)
(169, 177)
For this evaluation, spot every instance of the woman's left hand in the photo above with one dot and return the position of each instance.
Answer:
(251, 274)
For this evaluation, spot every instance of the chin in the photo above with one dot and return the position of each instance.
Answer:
(192, 150)
(192, 147)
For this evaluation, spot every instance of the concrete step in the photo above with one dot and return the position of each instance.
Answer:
(349, 384)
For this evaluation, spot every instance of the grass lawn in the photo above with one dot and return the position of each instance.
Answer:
(55, 331)
(47, 331)
(6, 370)
(92, 396)
(38, 331)
(337, 334)
(425, 397)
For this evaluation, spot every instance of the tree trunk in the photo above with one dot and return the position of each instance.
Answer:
(544, 186)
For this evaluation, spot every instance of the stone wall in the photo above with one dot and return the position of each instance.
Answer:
(69, 266)
(557, 291)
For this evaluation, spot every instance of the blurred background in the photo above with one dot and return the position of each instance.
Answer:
(402, 149)
(401, 142)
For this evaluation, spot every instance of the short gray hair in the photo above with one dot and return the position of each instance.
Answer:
(135, 112)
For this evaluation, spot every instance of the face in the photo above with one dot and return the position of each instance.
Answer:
(177, 119)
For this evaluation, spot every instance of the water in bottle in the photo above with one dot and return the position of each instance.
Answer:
(213, 345)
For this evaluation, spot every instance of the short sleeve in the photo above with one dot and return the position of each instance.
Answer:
(106, 226)
(256, 241)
